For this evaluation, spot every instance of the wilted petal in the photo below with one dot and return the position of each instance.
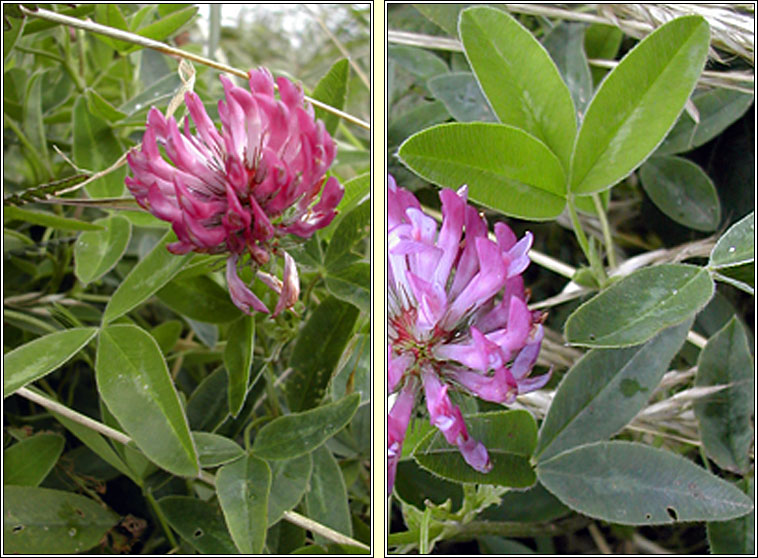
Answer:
(242, 296)
(290, 287)
(476, 455)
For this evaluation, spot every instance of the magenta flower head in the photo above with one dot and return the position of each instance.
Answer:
(237, 190)
(457, 318)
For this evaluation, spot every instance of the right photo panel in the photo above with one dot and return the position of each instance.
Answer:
(570, 278)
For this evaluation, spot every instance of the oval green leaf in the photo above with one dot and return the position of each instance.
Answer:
(682, 190)
(317, 351)
(736, 536)
(635, 484)
(10, 36)
(717, 110)
(298, 433)
(95, 253)
(199, 298)
(737, 245)
(352, 284)
(533, 505)
(422, 63)
(519, 78)
(38, 358)
(565, 44)
(151, 273)
(167, 334)
(638, 103)
(640, 305)
(725, 417)
(166, 26)
(27, 463)
(326, 500)
(421, 116)
(96, 148)
(510, 438)
(462, 97)
(199, 523)
(289, 480)
(356, 189)
(349, 237)
(601, 41)
(604, 390)
(45, 521)
(243, 488)
(214, 450)
(135, 385)
(100, 107)
(206, 410)
(355, 374)
(34, 127)
(444, 15)
(505, 168)
(332, 90)
(238, 360)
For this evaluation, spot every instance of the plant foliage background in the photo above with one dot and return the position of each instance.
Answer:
(638, 185)
(232, 422)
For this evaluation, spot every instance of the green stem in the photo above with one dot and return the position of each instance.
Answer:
(249, 428)
(270, 391)
(520, 530)
(161, 518)
(608, 239)
(578, 231)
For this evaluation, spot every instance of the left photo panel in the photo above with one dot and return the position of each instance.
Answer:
(187, 361)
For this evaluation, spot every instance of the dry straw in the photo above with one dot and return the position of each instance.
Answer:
(732, 31)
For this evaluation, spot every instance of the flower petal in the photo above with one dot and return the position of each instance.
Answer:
(242, 297)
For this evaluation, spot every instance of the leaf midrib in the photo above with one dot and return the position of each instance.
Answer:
(485, 171)
(573, 417)
(644, 316)
(642, 98)
(179, 435)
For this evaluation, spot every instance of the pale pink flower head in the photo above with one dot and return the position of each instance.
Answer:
(457, 317)
(239, 189)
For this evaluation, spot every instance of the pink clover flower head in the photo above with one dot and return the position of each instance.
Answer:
(239, 189)
(457, 317)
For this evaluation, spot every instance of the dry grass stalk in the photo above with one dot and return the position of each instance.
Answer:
(732, 31)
